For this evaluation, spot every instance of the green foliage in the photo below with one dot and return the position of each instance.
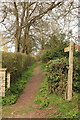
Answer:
(57, 72)
(16, 64)
(77, 54)
(9, 99)
(15, 90)
(55, 48)
(76, 73)
(43, 66)
(0, 100)
(72, 114)
(52, 54)
(64, 108)
(56, 41)
(57, 75)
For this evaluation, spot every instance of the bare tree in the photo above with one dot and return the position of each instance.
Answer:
(21, 17)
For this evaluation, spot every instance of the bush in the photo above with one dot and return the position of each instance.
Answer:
(57, 75)
(57, 72)
(16, 64)
(53, 54)
(76, 74)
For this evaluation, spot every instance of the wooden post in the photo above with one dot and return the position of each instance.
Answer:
(0, 78)
(8, 80)
(0, 85)
(0, 59)
(70, 72)
(2, 81)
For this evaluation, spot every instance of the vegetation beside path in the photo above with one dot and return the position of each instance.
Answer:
(51, 105)
(64, 108)
(13, 93)
(25, 102)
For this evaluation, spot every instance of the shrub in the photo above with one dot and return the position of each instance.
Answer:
(57, 75)
(57, 72)
(9, 99)
(53, 54)
(16, 64)
(76, 74)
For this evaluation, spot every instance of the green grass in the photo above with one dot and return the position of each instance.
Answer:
(13, 93)
(43, 66)
(42, 96)
(65, 109)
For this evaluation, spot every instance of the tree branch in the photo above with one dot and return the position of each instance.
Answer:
(53, 5)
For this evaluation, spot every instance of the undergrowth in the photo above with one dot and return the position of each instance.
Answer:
(13, 93)
(66, 109)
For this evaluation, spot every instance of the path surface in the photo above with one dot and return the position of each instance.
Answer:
(25, 106)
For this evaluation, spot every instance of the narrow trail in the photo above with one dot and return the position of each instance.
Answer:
(30, 90)
(25, 106)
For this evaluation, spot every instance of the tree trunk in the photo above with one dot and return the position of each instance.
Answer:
(26, 39)
(17, 47)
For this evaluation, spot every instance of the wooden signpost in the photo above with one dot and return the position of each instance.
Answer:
(67, 49)
(70, 48)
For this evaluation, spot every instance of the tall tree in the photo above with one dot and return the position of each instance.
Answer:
(21, 17)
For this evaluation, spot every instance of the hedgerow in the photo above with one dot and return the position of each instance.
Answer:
(16, 64)
(15, 90)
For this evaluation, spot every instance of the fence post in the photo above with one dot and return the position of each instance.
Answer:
(2, 81)
(8, 80)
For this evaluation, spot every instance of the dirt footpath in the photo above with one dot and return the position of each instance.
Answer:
(25, 106)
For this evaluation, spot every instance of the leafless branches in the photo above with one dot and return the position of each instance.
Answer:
(21, 21)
